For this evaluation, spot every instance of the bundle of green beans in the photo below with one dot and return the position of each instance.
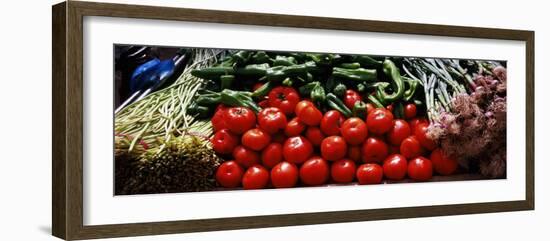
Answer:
(154, 120)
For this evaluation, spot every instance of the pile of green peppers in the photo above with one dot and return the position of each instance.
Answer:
(322, 77)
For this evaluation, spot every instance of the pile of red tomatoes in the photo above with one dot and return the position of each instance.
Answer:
(290, 142)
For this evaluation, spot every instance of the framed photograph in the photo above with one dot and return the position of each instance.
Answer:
(172, 120)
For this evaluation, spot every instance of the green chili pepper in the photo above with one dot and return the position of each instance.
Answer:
(359, 74)
(318, 93)
(241, 57)
(399, 110)
(284, 61)
(355, 65)
(360, 109)
(261, 57)
(253, 70)
(324, 59)
(238, 98)
(367, 61)
(340, 90)
(287, 82)
(375, 101)
(199, 110)
(397, 83)
(212, 73)
(307, 88)
(279, 73)
(361, 88)
(226, 81)
(412, 85)
(264, 89)
(337, 104)
(209, 99)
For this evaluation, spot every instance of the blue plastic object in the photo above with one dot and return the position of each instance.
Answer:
(151, 73)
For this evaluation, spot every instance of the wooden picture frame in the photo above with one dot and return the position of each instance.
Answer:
(67, 76)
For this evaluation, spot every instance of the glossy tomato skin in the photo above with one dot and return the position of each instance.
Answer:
(297, 149)
(331, 123)
(420, 169)
(224, 141)
(315, 135)
(421, 133)
(334, 148)
(272, 155)
(380, 121)
(229, 174)
(310, 115)
(354, 131)
(272, 120)
(370, 108)
(255, 139)
(375, 150)
(369, 173)
(284, 175)
(239, 119)
(285, 98)
(218, 119)
(354, 153)
(245, 157)
(398, 132)
(411, 148)
(315, 171)
(443, 164)
(301, 105)
(294, 127)
(410, 111)
(255, 177)
(351, 97)
(395, 167)
(343, 171)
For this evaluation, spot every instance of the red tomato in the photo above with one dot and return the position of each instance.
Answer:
(411, 148)
(410, 111)
(294, 127)
(223, 142)
(315, 171)
(370, 108)
(314, 135)
(354, 131)
(272, 119)
(442, 163)
(334, 148)
(350, 98)
(331, 122)
(218, 119)
(399, 131)
(245, 157)
(374, 150)
(255, 139)
(395, 167)
(263, 103)
(284, 175)
(379, 121)
(255, 177)
(284, 98)
(279, 137)
(370, 173)
(421, 133)
(272, 155)
(343, 171)
(297, 149)
(229, 174)
(420, 169)
(389, 107)
(239, 119)
(415, 121)
(310, 115)
(354, 153)
(301, 105)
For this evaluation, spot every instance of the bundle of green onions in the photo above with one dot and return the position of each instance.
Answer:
(466, 106)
